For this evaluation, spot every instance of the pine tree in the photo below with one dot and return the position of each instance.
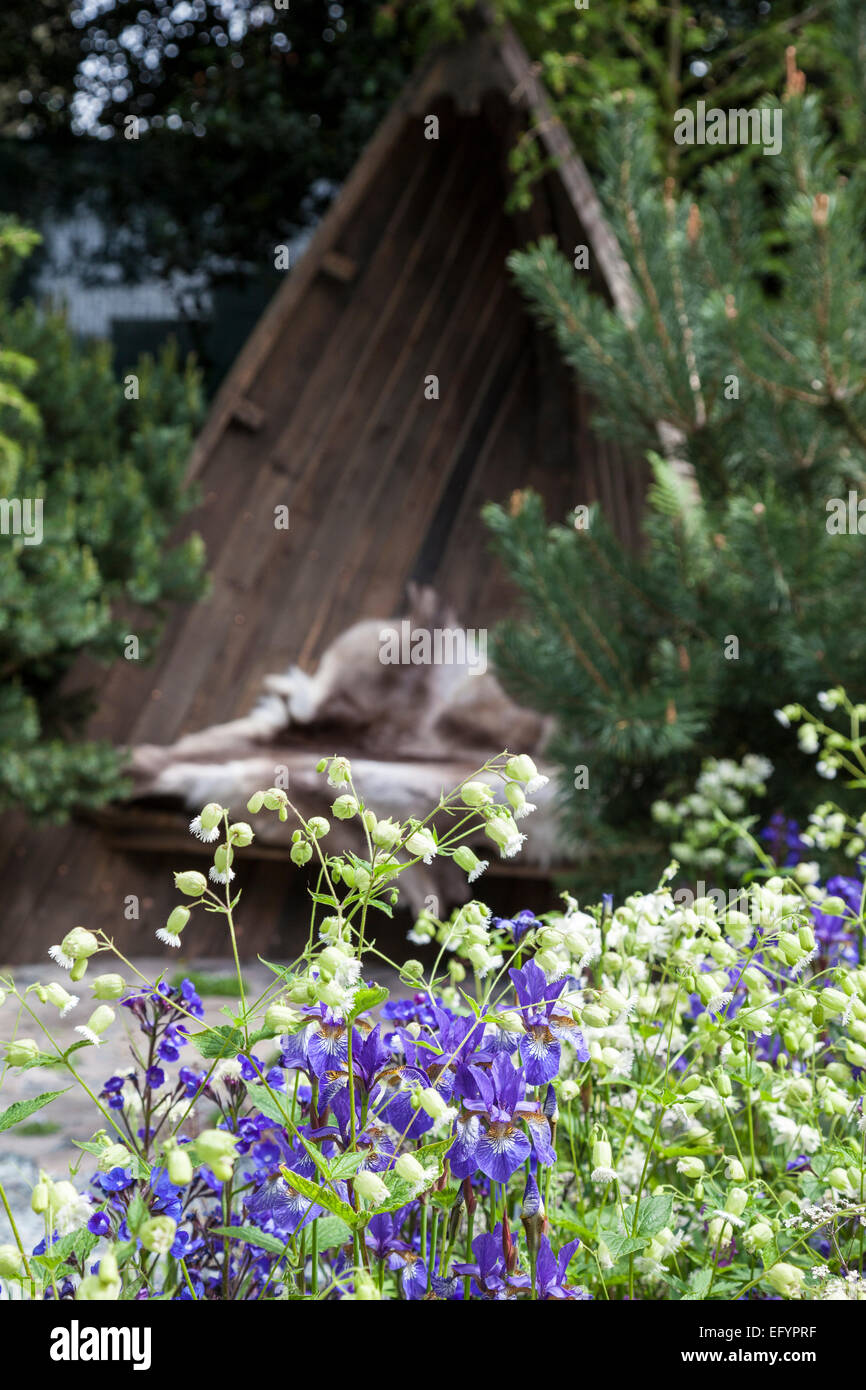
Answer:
(740, 372)
(90, 567)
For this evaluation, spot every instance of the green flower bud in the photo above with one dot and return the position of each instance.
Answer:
(190, 882)
(179, 1164)
(408, 1167)
(515, 795)
(467, 860)
(157, 1234)
(345, 807)
(92, 1290)
(371, 1187)
(691, 1168)
(75, 947)
(301, 853)
(476, 794)
(362, 880)
(255, 803)
(113, 1156)
(386, 834)
(108, 986)
(211, 816)
(108, 1273)
(279, 1018)
(217, 1149)
(40, 1198)
(99, 1022)
(339, 772)
(737, 1201)
(412, 972)
(521, 768)
(241, 834)
(177, 920)
(758, 1236)
(21, 1051)
(786, 1280)
(11, 1262)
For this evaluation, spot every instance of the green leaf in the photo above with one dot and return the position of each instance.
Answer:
(220, 1041)
(324, 1197)
(368, 999)
(654, 1214)
(332, 1233)
(620, 1245)
(253, 1236)
(345, 1166)
(20, 1109)
(699, 1285)
(136, 1213)
(77, 1245)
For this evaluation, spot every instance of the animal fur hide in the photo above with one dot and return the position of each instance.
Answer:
(411, 731)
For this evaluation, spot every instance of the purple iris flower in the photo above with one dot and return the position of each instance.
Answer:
(488, 1135)
(323, 1045)
(518, 925)
(489, 1271)
(550, 1272)
(540, 1047)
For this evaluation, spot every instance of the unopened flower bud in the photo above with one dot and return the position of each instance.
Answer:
(345, 807)
(371, 1187)
(157, 1234)
(785, 1279)
(21, 1051)
(301, 853)
(408, 1167)
(78, 945)
(476, 794)
(190, 882)
(11, 1262)
(108, 986)
(179, 1164)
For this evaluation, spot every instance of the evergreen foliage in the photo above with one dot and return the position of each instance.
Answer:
(109, 473)
(746, 592)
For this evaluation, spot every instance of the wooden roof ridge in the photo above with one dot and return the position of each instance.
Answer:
(493, 59)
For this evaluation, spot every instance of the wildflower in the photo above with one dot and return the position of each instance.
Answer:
(77, 946)
(422, 844)
(11, 1262)
(539, 1046)
(61, 999)
(468, 861)
(371, 1187)
(218, 1149)
(221, 870)
(385, 834)
(602, 1162)
(99, 1224)
(339, 772)
(786, 1279)
(191, 882)
(502, 830)
(487, 1134)
(551, 1270)
(206, 826)
(170, 933)
(100, 1020)
(108, 986)
(522, 769)
(408, 1168)
(345, 807)
(476, 794)
(157, 1234)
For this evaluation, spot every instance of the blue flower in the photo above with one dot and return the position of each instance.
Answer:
(99, 1224)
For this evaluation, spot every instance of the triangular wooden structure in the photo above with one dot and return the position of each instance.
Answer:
(325, 413)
